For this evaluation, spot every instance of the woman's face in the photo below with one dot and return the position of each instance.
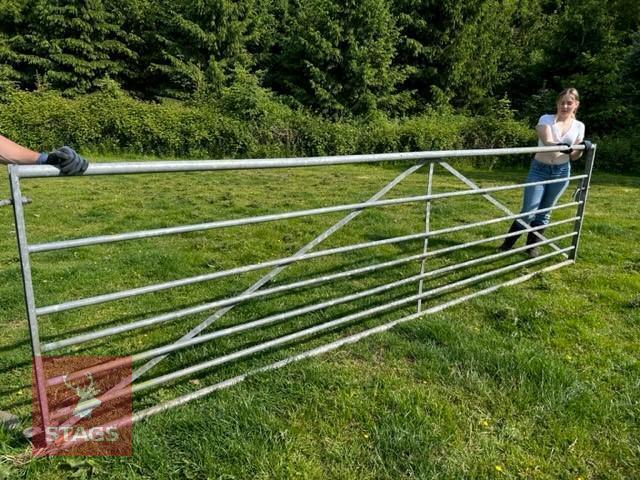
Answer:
(567, 105)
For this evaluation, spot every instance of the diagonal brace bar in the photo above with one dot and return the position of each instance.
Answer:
(269, 276)
(262, 281)
(496, 203)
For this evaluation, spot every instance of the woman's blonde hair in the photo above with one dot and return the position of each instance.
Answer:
(568, 91)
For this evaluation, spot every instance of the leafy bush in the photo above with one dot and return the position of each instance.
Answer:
(618, 153)
(495, 132)
(245, 120)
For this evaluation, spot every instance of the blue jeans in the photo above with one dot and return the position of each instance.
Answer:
(543, 196)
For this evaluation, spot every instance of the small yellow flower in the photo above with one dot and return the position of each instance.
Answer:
(498, 468)
(366, 435)
(484, 423)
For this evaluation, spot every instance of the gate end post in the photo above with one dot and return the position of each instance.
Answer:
(582, 198)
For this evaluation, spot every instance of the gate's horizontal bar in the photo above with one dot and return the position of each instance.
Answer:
(300, 311)
(82, 242)
(109, 297)
(334, 323)
(203, 392)
(32, 171)
(304, 310)
(8, 201)
(157, 381)
(166, 317)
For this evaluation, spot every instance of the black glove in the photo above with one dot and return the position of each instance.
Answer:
(66, 159)
(564, 144)
(587, 145)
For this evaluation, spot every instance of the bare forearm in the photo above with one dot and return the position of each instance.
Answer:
(11, 152)
(544, 135)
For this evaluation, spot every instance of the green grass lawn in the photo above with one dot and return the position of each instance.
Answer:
(539, 380)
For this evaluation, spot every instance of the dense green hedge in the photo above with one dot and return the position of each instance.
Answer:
(247, 121)
(618, 153)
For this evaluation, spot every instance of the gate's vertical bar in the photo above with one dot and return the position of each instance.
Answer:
(27, 284)
(584, 191)
(427, 219)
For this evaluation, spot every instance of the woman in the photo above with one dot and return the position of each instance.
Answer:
(559, 129)
(65, 158)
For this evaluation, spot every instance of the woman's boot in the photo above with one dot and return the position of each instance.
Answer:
(509, 242)
(532, 239)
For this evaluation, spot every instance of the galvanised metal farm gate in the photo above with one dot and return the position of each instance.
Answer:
(197, 335)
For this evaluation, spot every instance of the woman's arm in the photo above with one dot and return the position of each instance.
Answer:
(11, 152)
(64, 159)
(545, 135)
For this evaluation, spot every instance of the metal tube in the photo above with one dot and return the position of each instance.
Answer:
(427, 218)
(328, 325)
(183, 399)
(203, 392)
(109, 297)
(305, 163)
(7, 202)
(300, 311)
(270, 275)
(154, 382)
(273, 273)
(27, 285)
(293, 313)
(173, 315)
(333, 345)
(491, 200)
(280, 263)
(33, 171)
(584, 192)
(81, 242)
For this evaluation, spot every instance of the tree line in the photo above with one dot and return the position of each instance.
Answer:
(339, 59)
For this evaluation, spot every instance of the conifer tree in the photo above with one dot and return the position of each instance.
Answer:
(336, 56)
(10, 15)
(70, 45)
(429, 33)
(192, 47)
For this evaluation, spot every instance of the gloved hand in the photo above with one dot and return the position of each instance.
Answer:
(565, 145)
(587, 145)
(66, 159)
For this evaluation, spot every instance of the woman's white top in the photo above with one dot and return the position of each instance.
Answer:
(575, 134)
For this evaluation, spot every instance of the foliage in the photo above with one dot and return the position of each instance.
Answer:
(249, 121)
(69, 45)
(191, 48)
(586, 44)
(429, 42)
(369, 65)
(245, 120)
(336, 56)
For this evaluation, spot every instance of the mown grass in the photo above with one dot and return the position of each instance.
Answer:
(540, 380)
